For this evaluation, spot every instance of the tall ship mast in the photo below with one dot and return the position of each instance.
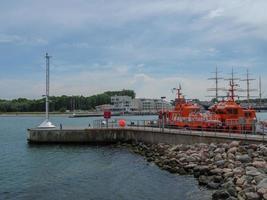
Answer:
(216, 78)
(248, 88)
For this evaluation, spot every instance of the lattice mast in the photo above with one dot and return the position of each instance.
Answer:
(47, 123)
(260, 91)
(248, 83)
(233, 86)
(179, 98)
(216, 78)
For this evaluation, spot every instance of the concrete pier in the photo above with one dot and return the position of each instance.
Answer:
(137, 134)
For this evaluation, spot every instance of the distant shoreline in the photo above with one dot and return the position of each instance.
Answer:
(37, 114)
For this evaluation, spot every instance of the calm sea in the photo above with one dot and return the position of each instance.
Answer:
(81, 172)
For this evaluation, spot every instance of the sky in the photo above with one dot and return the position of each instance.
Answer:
(144, 45)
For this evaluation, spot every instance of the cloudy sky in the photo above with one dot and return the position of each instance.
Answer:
(149, 46)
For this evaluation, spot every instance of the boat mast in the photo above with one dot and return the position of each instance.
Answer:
(233, 86)
(248, 89)
(216, 78)
(178, 92)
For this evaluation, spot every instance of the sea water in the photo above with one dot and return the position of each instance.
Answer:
(82, 171)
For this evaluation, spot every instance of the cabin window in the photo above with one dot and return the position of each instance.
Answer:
(247, 115)
(232, 111)
(220, 112)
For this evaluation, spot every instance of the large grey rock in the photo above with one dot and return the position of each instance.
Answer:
(232, 191)
(203, 169)
(231, 156)
(252, 196)
(212, 147)
(232, 150)
(234, 144)
(219, 150)
(190, 159)
(244, 158)
(238, 171)
(262, 184)
(216, 171)
(175, 148)
(259, 178)
(220, 195)
(219, 163)
(252, 171)
(204, 180)
(213, 185)
(218, 157)
(259, 164)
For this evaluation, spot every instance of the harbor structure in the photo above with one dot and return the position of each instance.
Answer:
(46, 123)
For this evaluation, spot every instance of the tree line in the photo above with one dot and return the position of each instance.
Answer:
(61, 103)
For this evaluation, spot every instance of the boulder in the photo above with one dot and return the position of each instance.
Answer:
(234, 144)
(252, 195)
(244, 158)
(259, 178)
(175, 148)
(220, 195)
(240, 181)
(181, 171)
(232, 150)
(212, 147)
(218, 157)
(252, 171)
(242, 149)
(263, 150)
(259, 164)
(219, 163)
(190, 159)
(219, 150)
(232, 191)
(216, 171)
(213, 185)
(203, 169)
(204, 180)
(262, 184)
(262, 191)
(238, 171)
(231, 156)
(228, 174)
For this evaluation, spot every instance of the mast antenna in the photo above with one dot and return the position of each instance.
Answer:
(248, 83)
(233, 86)
(216, 78)
(47, 123)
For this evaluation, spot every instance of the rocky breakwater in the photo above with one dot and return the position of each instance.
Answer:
(234, 170)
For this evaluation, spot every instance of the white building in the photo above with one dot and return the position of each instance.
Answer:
(154, 105)
(128, 104)
(122, 103)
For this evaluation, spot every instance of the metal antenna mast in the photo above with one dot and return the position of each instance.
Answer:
(260, 91)
(47, 123)
(233, 86)
(47, 58)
